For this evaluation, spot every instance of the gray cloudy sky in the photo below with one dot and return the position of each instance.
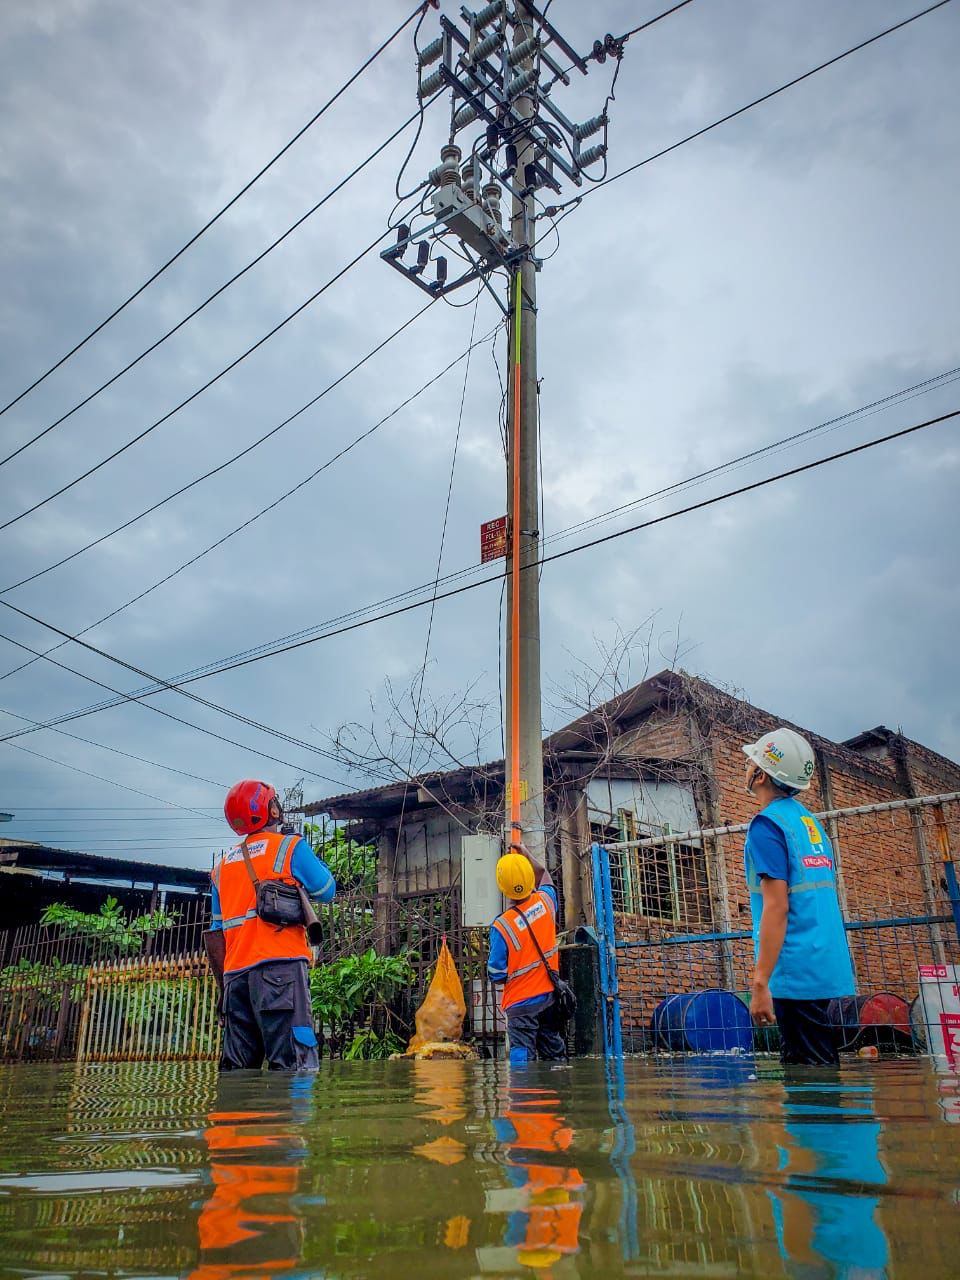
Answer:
(787, 268)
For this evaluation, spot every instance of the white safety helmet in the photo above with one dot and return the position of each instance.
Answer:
(785, 757)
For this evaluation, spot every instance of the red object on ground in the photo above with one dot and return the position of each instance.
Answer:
(886, 1010)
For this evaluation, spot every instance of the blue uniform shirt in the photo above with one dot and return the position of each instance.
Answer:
(315, 876)
(497, 957)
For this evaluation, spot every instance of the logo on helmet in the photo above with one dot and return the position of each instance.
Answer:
(773, 752)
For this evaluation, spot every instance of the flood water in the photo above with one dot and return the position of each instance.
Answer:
(448, 1169)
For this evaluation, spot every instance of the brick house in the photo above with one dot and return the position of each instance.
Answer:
(663, 759)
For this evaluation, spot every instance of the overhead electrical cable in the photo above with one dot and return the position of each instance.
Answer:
(102, 746)
(216, 294)
(556, 555)
(219, 214)
(756, 102)
(901, 396)
(100, 778)
(198, 392)
(222, 466)
(168, 715)
(276, 502)
(651, 21)
(436, 580)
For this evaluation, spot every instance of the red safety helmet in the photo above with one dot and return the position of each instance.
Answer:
(247, 806)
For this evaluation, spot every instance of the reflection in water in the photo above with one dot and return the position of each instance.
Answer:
(824, 1215)
(544, 1199)
(441, 1091)
(452, 1170)
(248, 1225)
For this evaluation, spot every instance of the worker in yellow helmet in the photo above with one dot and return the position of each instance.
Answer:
(523, 958)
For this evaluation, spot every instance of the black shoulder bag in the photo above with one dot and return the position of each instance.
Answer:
(566, 1001)
(283, 904)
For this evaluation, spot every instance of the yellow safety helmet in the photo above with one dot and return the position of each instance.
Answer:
(515, 876)
(538, 1257)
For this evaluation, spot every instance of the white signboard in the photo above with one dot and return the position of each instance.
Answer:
(940, 1002)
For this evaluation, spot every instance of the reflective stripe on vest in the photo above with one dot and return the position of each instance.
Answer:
(236, 921)
(814, 961)
(526, 974)
(279, 860)
(250, 941)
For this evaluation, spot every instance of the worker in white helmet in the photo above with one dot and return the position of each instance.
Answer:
(802, 959)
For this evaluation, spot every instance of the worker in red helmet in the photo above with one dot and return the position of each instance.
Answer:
(266, 993)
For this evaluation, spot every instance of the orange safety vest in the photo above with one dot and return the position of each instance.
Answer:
(526, 976)
(249, 940)
(235, 1224)
(554, 1206)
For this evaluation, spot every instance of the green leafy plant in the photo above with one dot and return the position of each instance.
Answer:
(109, 931)
(356, 990)
(49, 981)
(354, 864)
(366, 1045)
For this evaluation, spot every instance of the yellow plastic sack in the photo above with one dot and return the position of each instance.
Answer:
(440, 1017)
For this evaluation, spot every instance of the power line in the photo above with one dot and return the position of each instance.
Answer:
(99, 777)
(219, 214)
(300, 484)
(136, 841)
(436, 580)
(102, 746)
(650, 21)
(901, 396)
(732, 115)
(559, 555)
(10, 737)
(216, 294)
(100, 822)
(198, 392)
(772, 447)
(222, 466)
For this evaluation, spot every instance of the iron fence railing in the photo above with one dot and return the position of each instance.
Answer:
(60, 998)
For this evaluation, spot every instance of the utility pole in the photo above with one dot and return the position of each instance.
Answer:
(524, 705)
(501, 71)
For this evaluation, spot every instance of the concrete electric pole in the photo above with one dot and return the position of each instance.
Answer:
(523, 492)
(501, 72)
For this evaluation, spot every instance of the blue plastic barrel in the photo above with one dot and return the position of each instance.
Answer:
(703, 1022)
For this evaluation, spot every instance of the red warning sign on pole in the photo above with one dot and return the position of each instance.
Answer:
(493, 539)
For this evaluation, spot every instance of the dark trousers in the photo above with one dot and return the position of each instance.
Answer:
(533, 1033)
(267, 1015)
(807, 1036)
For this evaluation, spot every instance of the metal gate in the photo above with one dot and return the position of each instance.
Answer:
(673, 915)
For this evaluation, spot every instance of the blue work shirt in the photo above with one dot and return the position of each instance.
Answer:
(497, 957)
(305, 867)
